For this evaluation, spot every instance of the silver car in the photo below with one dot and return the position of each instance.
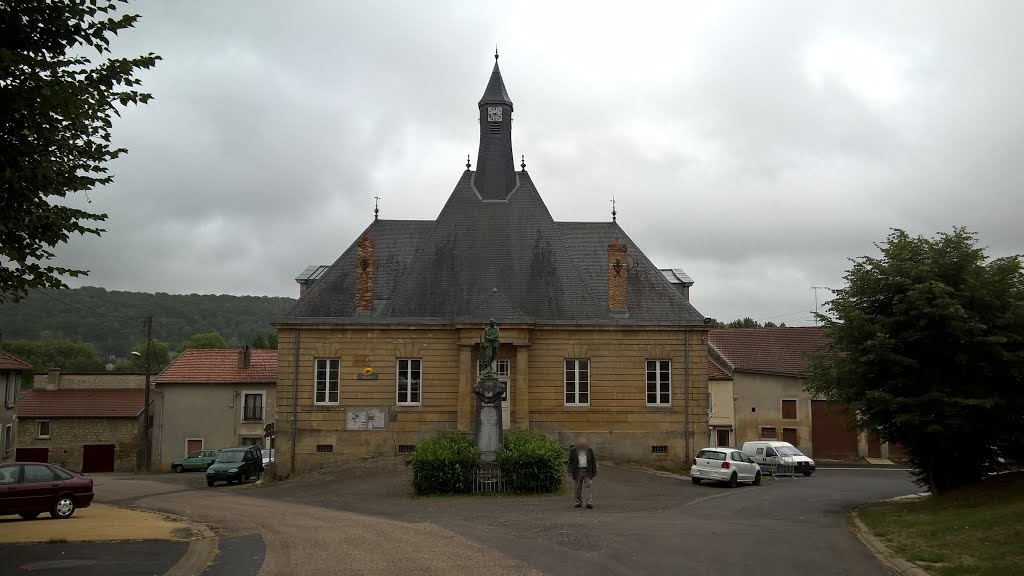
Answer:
(725, 465)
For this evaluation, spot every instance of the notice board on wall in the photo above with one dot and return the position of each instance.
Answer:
(366, 419)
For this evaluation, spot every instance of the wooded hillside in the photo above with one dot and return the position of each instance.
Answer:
(111, 320)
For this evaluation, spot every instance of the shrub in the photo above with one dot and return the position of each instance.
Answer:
(531, 462)
(444, 464)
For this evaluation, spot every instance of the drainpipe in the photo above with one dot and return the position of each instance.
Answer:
(686, 394)
(295, 397)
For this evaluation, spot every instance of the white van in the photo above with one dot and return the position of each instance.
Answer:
(768, 452)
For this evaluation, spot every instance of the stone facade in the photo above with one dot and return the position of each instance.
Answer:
(618, 271)
(617, 421)
(55, 379)
(364, 274)
(68, 436)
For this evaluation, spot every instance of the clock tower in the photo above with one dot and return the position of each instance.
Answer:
(495, 166)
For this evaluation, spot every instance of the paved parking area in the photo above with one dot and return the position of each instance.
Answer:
(642, 524)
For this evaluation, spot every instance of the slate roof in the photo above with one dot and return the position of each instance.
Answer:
(495, 92)
(781, 351)
(12, 362)
(447, 270)
(220, 366)
(81, 403)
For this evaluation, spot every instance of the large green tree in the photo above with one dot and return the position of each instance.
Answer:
(204, 340)
(56, 107)
(927, 350)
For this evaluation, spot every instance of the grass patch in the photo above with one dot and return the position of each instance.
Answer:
(976, 530)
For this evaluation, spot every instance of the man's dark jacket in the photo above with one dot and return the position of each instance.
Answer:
(574, 462)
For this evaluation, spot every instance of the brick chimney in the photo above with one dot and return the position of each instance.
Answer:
(52, 381)
(364, 275)
(617, 270)
(244, 357)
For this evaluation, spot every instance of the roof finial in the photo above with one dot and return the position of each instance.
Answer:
(613, 208)
(376, 206)
(523, 165)
(467, 162)
(495, 52)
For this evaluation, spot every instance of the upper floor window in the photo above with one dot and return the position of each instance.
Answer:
(577, 382)
(789, 409)
(12, 383)
(409, 381)
(43, 427)
(252, 406)
(659, 382)
(327, 376)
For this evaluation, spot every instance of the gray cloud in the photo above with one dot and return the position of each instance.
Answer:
(756, 145)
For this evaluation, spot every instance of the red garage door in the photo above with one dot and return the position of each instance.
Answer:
(830, 435)
(32, 455)
(98, 458)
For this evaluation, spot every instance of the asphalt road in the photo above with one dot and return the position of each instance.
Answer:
(139, 558)
(360, 519)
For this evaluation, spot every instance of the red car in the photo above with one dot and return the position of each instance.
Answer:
(29, 489)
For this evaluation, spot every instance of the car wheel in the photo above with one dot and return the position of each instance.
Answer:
(695, 480)
(209, 482)
(63, 508)
(178, 468)
(29, 515)
(808, 473)
(757, 479)
(733, 480)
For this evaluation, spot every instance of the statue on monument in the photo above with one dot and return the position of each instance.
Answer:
(489, 350)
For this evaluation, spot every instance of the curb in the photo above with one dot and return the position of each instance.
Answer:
(202, 547)
(887, 557)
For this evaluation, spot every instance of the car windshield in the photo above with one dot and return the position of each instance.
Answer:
(711, 455)
(230, 456)
(788, 451)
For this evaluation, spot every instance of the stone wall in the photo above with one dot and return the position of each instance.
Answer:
(69, 435)
(617, 420)
(92, 380)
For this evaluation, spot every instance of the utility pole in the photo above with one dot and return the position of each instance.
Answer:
(145, 421)
(816, 288)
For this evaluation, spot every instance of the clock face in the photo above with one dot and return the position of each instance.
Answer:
(494, 114)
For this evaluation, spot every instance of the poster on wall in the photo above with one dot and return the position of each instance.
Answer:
(366, 419)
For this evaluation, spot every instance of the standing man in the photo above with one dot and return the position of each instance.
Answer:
(583, 468)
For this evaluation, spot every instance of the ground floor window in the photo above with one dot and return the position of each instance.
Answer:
(252, 441)
(43, 427)
(327, 376)
(577, 382)
(409, 381)
(659, 382)
(769, 433)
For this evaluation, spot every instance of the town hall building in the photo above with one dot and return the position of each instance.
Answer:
(381, 349)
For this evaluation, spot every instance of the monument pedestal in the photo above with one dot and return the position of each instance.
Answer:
(489, 427)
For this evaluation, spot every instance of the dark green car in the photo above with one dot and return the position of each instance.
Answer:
(235, 465)
(198, 460)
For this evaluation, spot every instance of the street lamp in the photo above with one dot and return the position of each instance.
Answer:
(144, 440)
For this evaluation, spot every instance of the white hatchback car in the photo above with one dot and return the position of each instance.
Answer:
(725, 465)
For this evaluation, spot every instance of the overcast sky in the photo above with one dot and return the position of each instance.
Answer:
(757, 145)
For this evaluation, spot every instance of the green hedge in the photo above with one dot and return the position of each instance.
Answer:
(531, 462)
(444, 464)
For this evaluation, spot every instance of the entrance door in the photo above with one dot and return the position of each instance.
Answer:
(32, 455)
(98, 458)
(722, 437)
(874, 446)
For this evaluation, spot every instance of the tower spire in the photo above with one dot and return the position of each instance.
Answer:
(613, 208)
(495, 164)
(376, 206)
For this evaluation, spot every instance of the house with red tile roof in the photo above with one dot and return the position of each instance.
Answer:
(88, 429)
(213, 399)
(767, 368)
(11, 369)
(721, 410)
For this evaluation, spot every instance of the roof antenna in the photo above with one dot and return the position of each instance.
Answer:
(523, 165)
(613, 208)
(467, 162)
(376, 207)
